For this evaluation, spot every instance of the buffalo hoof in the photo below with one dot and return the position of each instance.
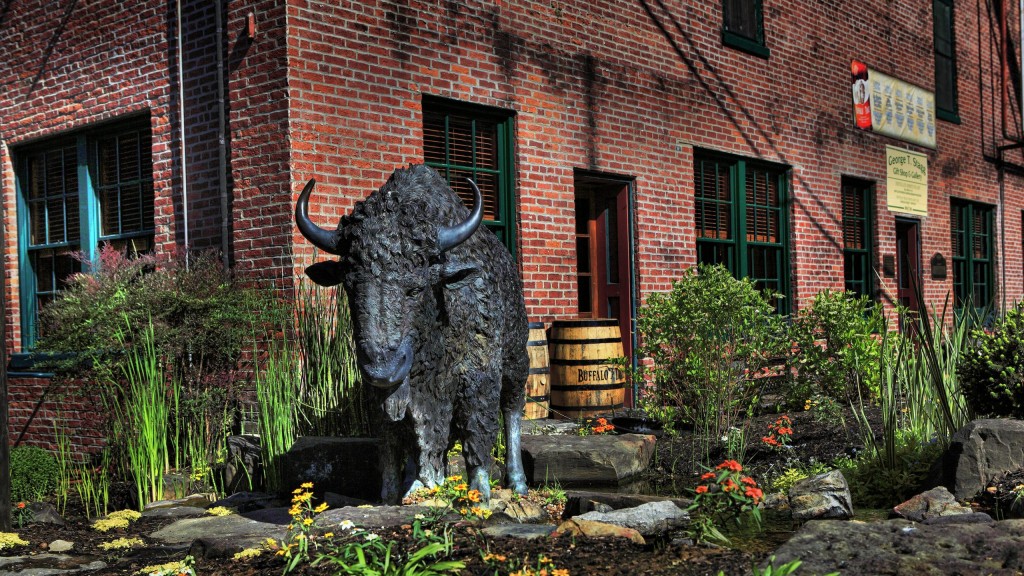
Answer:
(480, 481)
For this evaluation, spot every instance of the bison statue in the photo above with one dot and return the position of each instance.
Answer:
(439, 324)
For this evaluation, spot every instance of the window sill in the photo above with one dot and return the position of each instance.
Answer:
(734, 40)
(947, 115)
(24, 365)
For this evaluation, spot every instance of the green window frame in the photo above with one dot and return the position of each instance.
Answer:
(946, 105)
(858, 206)
(464, 140)
(742, 221)
(971, 226)
(743, 26)
(74, 193)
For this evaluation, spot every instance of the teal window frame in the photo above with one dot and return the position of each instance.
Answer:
(858, 248)
(737, 230)
(733, 13)
(477, 142)
(68, 226)
(973, 248)
(944, 39)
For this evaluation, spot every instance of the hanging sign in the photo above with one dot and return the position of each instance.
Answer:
(892, 107)
(906, 183)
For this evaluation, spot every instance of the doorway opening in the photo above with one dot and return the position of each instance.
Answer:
(604, 252)
(908, 268)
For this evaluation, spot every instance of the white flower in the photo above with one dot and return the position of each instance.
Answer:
(371, 537)
(419, 516)
(347, 525)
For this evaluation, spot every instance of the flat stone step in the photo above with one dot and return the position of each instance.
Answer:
(596, 460)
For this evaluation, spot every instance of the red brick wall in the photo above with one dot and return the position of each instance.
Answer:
(631, 88)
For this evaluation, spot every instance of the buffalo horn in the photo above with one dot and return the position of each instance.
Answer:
(449, 237)
(325, 240)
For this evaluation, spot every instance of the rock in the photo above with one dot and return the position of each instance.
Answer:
(822, 496)
(585, 460)
(651, 519)
(45, 513)
(176, 512)
(971, 518)
(550, 427)
(775, 501)
(58, 546)
(48, 564)
(518, 509)
(373, 517)
(931, 504)
(583, 501)
(593, 529)
(346, 466)
(216, 536)
(980, 452)
(192, 500)
(339, 501)
(249, 501)
(901, 547)
(243, 469)
(520, 531)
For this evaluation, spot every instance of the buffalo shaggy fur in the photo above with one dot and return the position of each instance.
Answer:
(440, 327)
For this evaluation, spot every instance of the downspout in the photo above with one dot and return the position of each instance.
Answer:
(634, 293)
(222, 161)
(181, 129)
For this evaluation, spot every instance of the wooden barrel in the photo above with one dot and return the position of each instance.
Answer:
(538, 383)
(583, 380)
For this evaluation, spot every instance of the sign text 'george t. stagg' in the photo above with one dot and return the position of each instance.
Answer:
(439, 324)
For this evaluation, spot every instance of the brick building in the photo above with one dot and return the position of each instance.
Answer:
(617, 143)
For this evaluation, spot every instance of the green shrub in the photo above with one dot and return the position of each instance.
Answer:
(882, 480)
(835, 348)
(992, 371)
(705, 340)
(34, 473)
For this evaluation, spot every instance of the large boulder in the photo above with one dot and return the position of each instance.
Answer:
(822, 496)
(346, 466)
(585, 460)
(902, 547)
(980, 452)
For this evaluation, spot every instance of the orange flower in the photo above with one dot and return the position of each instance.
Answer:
(730, 465)
(748, 481)
(707, 476)
(729, 485)
(21, 505)
(701, 489)
(769, 440)
(754, 493)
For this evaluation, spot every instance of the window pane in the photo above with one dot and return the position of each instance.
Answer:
(124, 184)
(742, 17)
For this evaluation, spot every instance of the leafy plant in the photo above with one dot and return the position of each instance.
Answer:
(302, 530)
(277, 387)
(34, 473)
(459, 498)
(992, 370)
(723, 494)
(780, 433)
(707, 340)
(364, 553)
(21, 514)
(503, 564)
(836, 348)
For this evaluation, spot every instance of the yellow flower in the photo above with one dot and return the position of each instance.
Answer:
(560, 572)
(320, 508)
(307, 485)
(297, 491)
(329, 535)
(307, 521)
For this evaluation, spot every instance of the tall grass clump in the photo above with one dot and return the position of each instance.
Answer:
(330, 398)
(143, 412)
(277, 377)
(704, 343)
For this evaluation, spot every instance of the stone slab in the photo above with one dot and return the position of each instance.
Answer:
(596, 460)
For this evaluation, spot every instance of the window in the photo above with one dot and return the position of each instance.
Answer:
(75, 193)
(743, 26)
(857, 253)
(741, 220)
(971, 226)
(461, 141)
(945, 61)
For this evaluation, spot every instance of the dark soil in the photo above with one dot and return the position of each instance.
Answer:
(673, 472)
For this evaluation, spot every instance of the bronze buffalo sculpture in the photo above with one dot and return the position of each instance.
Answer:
(439, 324)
